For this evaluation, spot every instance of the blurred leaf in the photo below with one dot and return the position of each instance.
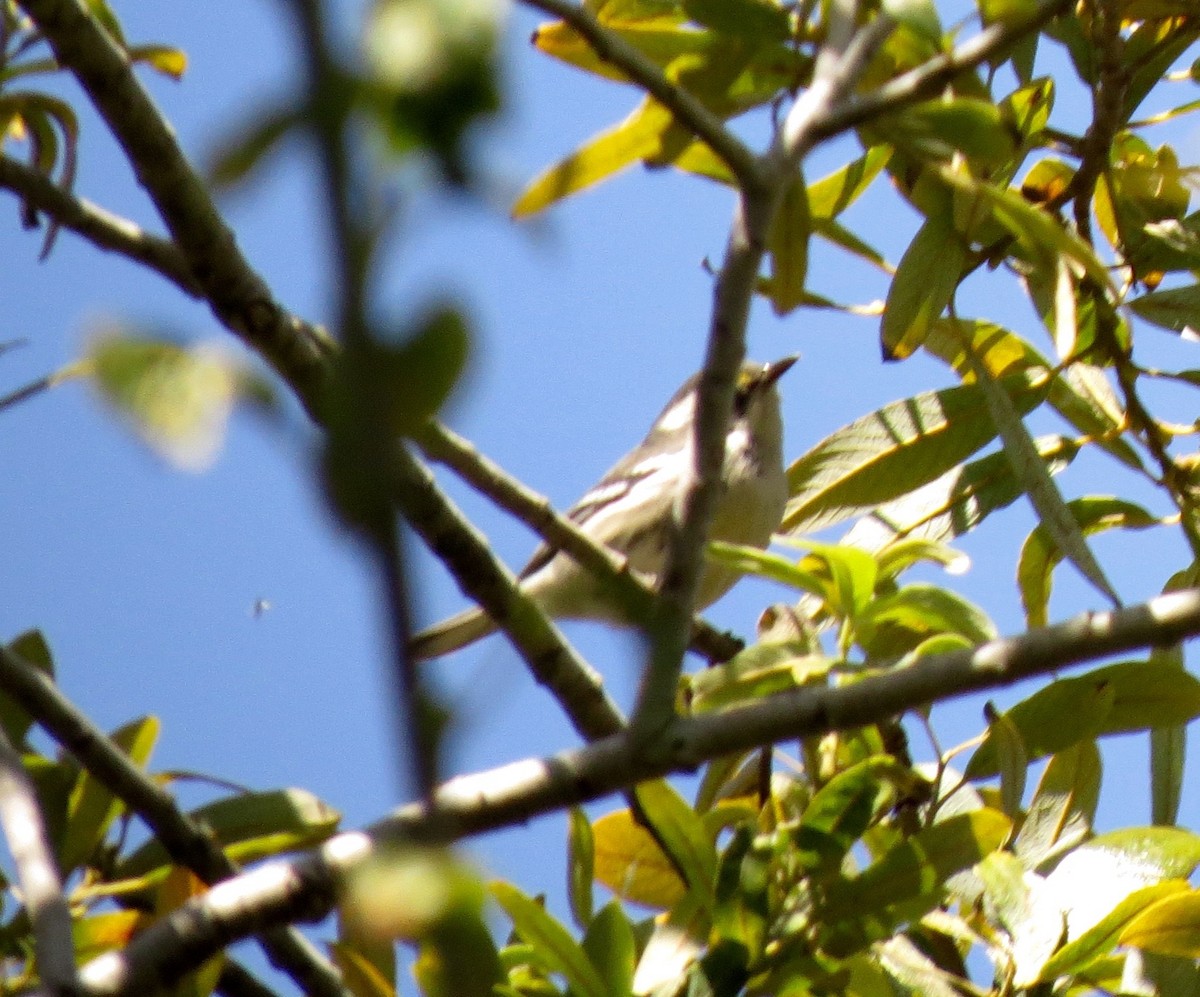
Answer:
(753, 20)
(103, 932)
(581, 865)
(1176, 309)
(361, 948)
(1027, 109)
(892, 452)
(926, 278)
(1040, 554)
(420, 373)
(923, 610)
(919, 16)
(359, 976)
(937, 129)
(1024, 907)
(636, 138)
(760, 670)
(552, 943)
(251, 145)
(1123, 697)
(1063, 806)
(93, 805)
(903, 553)
(610, 945)
(1038, 484)
(764, 564)
(164, 59)
(250, 826)
(1013, 761)
(177, 400)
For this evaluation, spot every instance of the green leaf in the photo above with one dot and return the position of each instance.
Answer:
(1063, 807)
(919, 16)
(925, 609)
(788, 245)
(742, 910)
(892, 452)
(853, 574)
(753, 20)
(1176, 309)
(638, 137)
(760, 670)
(551, 942)
(938, 129)
(1119, 698)
(910, 878)
(1027, 109)
(1040, 554)
(1169, 927)
(164, 59)
(1014, 762)
(1038, 484)
(249, 826)
(1168, 750)
(359, 975)
(610, 947)
(844, 808)
(958, 501)
(93, 806)
(926, 278)
(764, 564)
(681, 832)
(581, 865)
(834, 193)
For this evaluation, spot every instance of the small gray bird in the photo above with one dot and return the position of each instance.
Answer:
(635, 505)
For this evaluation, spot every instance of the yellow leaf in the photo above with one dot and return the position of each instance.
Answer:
(638, 137)
(630, 863)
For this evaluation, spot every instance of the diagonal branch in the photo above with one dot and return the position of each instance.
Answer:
(484, 801)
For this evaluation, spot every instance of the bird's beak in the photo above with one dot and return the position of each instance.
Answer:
(777, 369)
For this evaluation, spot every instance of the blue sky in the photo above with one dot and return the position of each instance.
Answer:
(144, 579)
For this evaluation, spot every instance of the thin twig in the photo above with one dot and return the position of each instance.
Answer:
(41, 886)
(187, 842)
(100, 227)
(688, 111)
(281, 891)
(444, 446)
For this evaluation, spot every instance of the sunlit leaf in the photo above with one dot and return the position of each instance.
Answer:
(1169, 927)
(892, 452)
(925, 279)
(581, 865)
(1176, 309)
(1127, 696)
(1063, 806)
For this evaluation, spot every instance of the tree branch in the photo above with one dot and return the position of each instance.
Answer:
(100, 227)
(41, 886)
(688, 111)
(238, 296)
(578, 688)
(187, 842)
(840, 62)
(444, 446)
(924, 81)
(484, 801)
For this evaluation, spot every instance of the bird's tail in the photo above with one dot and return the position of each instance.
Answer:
(450, 635)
